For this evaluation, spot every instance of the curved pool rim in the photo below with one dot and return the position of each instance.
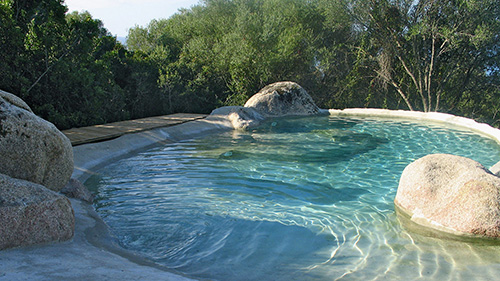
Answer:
(92, 157)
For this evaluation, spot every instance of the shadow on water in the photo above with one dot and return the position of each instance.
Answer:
(294, 140)
(339, 146)
(279, 190)
(269, 250)
(287, 125)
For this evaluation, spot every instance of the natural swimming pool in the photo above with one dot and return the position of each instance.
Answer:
(300, 198)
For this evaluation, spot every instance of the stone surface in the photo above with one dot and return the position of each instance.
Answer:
(31, 148)
(15, 100)
(495, 169)
(92, 254)
(31, 214)
(283, 99)
(240, 117)
(451, 194)
(75, 189)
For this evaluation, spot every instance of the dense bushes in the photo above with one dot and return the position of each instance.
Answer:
(421, 55)
(70, 70)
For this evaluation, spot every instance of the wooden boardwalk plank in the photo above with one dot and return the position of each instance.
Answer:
(108, 131)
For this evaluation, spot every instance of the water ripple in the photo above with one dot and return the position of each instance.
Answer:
(296, 199)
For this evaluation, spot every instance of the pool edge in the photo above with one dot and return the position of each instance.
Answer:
(436, 117)
(92, 254)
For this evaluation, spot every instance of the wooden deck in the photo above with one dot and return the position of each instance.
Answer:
(113, 130)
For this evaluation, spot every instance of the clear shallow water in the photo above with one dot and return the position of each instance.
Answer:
(295, 199)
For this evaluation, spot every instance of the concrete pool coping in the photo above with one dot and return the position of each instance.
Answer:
(92, 254)
(113, 130)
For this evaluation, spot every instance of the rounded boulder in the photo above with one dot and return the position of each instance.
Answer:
(32, 148)
(452, 194)
(283, 99)
(32, 214)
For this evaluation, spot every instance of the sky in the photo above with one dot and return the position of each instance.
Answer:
(119, 16)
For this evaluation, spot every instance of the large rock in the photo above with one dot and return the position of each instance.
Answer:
(75, 189)
(15, 100)
(451, 194)
(283, 99)
(31, 148)
(31, 214)
(240, 117)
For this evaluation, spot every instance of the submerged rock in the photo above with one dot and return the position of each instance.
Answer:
(283, 99)
(31, 148)
(75, 189)
(233, 155)
(452, 194)
(31, 214)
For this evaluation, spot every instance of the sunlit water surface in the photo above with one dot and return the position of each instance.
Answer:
(295, 199)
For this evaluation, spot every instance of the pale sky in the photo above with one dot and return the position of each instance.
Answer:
(119, 16)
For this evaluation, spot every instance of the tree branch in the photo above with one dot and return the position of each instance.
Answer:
(429, 75)
(50, 66)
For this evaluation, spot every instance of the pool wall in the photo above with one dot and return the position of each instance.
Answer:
(434, 117)
(93, 255)
(90, 157)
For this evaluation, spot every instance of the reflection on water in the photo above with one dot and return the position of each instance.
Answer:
(295, 199)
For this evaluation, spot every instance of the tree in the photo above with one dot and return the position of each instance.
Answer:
(222, 52)
(422, 55)
(11, 42)
(61, 65)
(421, 47)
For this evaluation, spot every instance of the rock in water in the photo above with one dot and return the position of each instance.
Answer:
(240, 117)
(31, 214)
(75, 189)
(452, 194)
(31, 148)
(283, 99)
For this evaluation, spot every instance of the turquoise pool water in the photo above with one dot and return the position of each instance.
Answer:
(295, 199)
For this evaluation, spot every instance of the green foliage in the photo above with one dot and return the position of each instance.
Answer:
(431, 52)
(422, 55)
(70, 70)
(222, 52)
